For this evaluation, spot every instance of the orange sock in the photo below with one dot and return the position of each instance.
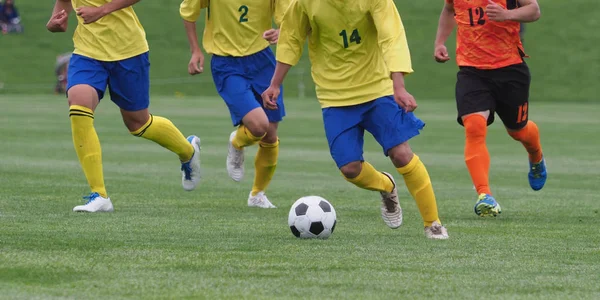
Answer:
(477, 156)
(529, 136)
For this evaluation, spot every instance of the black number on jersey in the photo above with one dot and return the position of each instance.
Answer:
(244, 10)
(476, 12)
(354, 37)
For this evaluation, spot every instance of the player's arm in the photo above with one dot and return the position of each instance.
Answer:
(391, 38)
(446, 25)
(91, 14)
(294, 30)
(528, 11)
(60, 16)
(279, 8)
(190, 12)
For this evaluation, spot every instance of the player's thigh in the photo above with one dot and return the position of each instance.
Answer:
(474, 94)
(261, 67)
(513, 96)
(344, 134)
(87, 79)
(389, 124)
(129, 82)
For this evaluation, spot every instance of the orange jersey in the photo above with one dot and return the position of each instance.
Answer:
(482, 43)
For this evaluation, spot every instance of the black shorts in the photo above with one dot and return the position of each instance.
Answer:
(504, 91)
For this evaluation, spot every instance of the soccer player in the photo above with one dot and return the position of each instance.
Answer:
(359, 56)
(111, 50)
(238, 34)
(493, 78)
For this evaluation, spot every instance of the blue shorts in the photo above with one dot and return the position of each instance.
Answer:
(241, 80)
(128, 79)
(345, 128)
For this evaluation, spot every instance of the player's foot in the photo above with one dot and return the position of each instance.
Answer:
(190, 170)
(487, 206)
(436, 231)
(537, 175)
(235, 160)
(391, 212)
(95, 203)
(259, 200)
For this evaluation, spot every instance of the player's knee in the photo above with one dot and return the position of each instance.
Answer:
(401, 155)
(135, 120)
(257, 126)
(83, 95)
(351, 170)
(475, 126)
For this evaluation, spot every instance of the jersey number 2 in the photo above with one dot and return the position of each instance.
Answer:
(354, 37)
(476, 12)
(244, 10)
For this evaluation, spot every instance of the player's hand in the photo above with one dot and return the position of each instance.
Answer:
(196, 65)
(271, 35)
(441, 54)
(270, 96)
(495, 12)
(90, 14)
(58, 22)
(405, 99)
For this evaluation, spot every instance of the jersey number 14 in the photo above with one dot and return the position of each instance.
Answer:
(354, 37)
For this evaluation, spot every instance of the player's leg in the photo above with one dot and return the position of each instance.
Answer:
(392, 127)
(346, 138)
(475, 104)
(87, 81)
(513, 109)
(129, 87)
(234, 86)
(262, 66)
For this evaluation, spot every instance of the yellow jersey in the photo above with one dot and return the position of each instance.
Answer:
(116, 36)
(352, 45)
(235, 28)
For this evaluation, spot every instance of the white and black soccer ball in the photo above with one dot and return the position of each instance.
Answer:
(312, 217)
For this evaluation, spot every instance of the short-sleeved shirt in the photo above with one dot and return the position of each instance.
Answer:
(483, 43)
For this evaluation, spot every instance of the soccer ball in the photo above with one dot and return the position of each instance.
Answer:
(312, 217)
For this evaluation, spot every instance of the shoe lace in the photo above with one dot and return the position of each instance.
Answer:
(390, 202)
(536, 170)
(187, 170)
(91, 197)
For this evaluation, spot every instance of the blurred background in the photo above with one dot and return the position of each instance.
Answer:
(564, 62)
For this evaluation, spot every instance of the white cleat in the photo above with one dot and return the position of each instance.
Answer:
(391, 212)
(235, 160)
(95, 203)
(436, 231)
(190, 171)
(260, 200)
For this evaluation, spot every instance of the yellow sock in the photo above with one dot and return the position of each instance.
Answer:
(371, 179)
(244, 138)
(265, 164)
(419, 185)
(87, 146)
(164, 133)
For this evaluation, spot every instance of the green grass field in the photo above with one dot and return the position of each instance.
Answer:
(162, 242)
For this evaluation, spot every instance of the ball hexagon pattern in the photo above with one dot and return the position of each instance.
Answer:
(312, 217)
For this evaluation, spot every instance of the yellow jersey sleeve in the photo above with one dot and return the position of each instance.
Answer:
(190, 9)
(116, 36)
(279, 8)
(391, 36)
(292, 35)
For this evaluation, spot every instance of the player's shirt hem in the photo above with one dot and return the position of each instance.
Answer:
(252, 50)
(124, 56)
(325, 103)
(492, 67)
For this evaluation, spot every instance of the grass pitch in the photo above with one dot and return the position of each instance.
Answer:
(162, 242)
